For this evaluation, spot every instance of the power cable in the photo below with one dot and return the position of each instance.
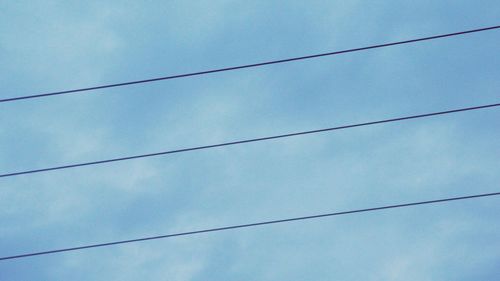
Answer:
(248, 140)
(11, 99)
(248, 225)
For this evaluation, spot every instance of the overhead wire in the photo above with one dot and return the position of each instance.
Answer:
(317, 216)
(250, 140)
(260, 64)
(372, 209)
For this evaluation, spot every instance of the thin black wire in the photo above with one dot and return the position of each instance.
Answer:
(249, 225)
(249, 65)
(248, 140)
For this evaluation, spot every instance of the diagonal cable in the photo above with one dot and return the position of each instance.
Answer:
(250, 140)
(260, 64)
(372, 209)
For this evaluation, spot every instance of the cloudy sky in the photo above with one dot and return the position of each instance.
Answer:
(56, 45)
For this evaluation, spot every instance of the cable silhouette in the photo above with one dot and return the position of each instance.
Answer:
(249, 140)
(372, 209)
(12, 99)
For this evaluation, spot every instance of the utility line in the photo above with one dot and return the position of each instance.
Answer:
(249, 140)
(11, 99)
(436, 201)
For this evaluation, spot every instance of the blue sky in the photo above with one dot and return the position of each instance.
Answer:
(55, 45)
